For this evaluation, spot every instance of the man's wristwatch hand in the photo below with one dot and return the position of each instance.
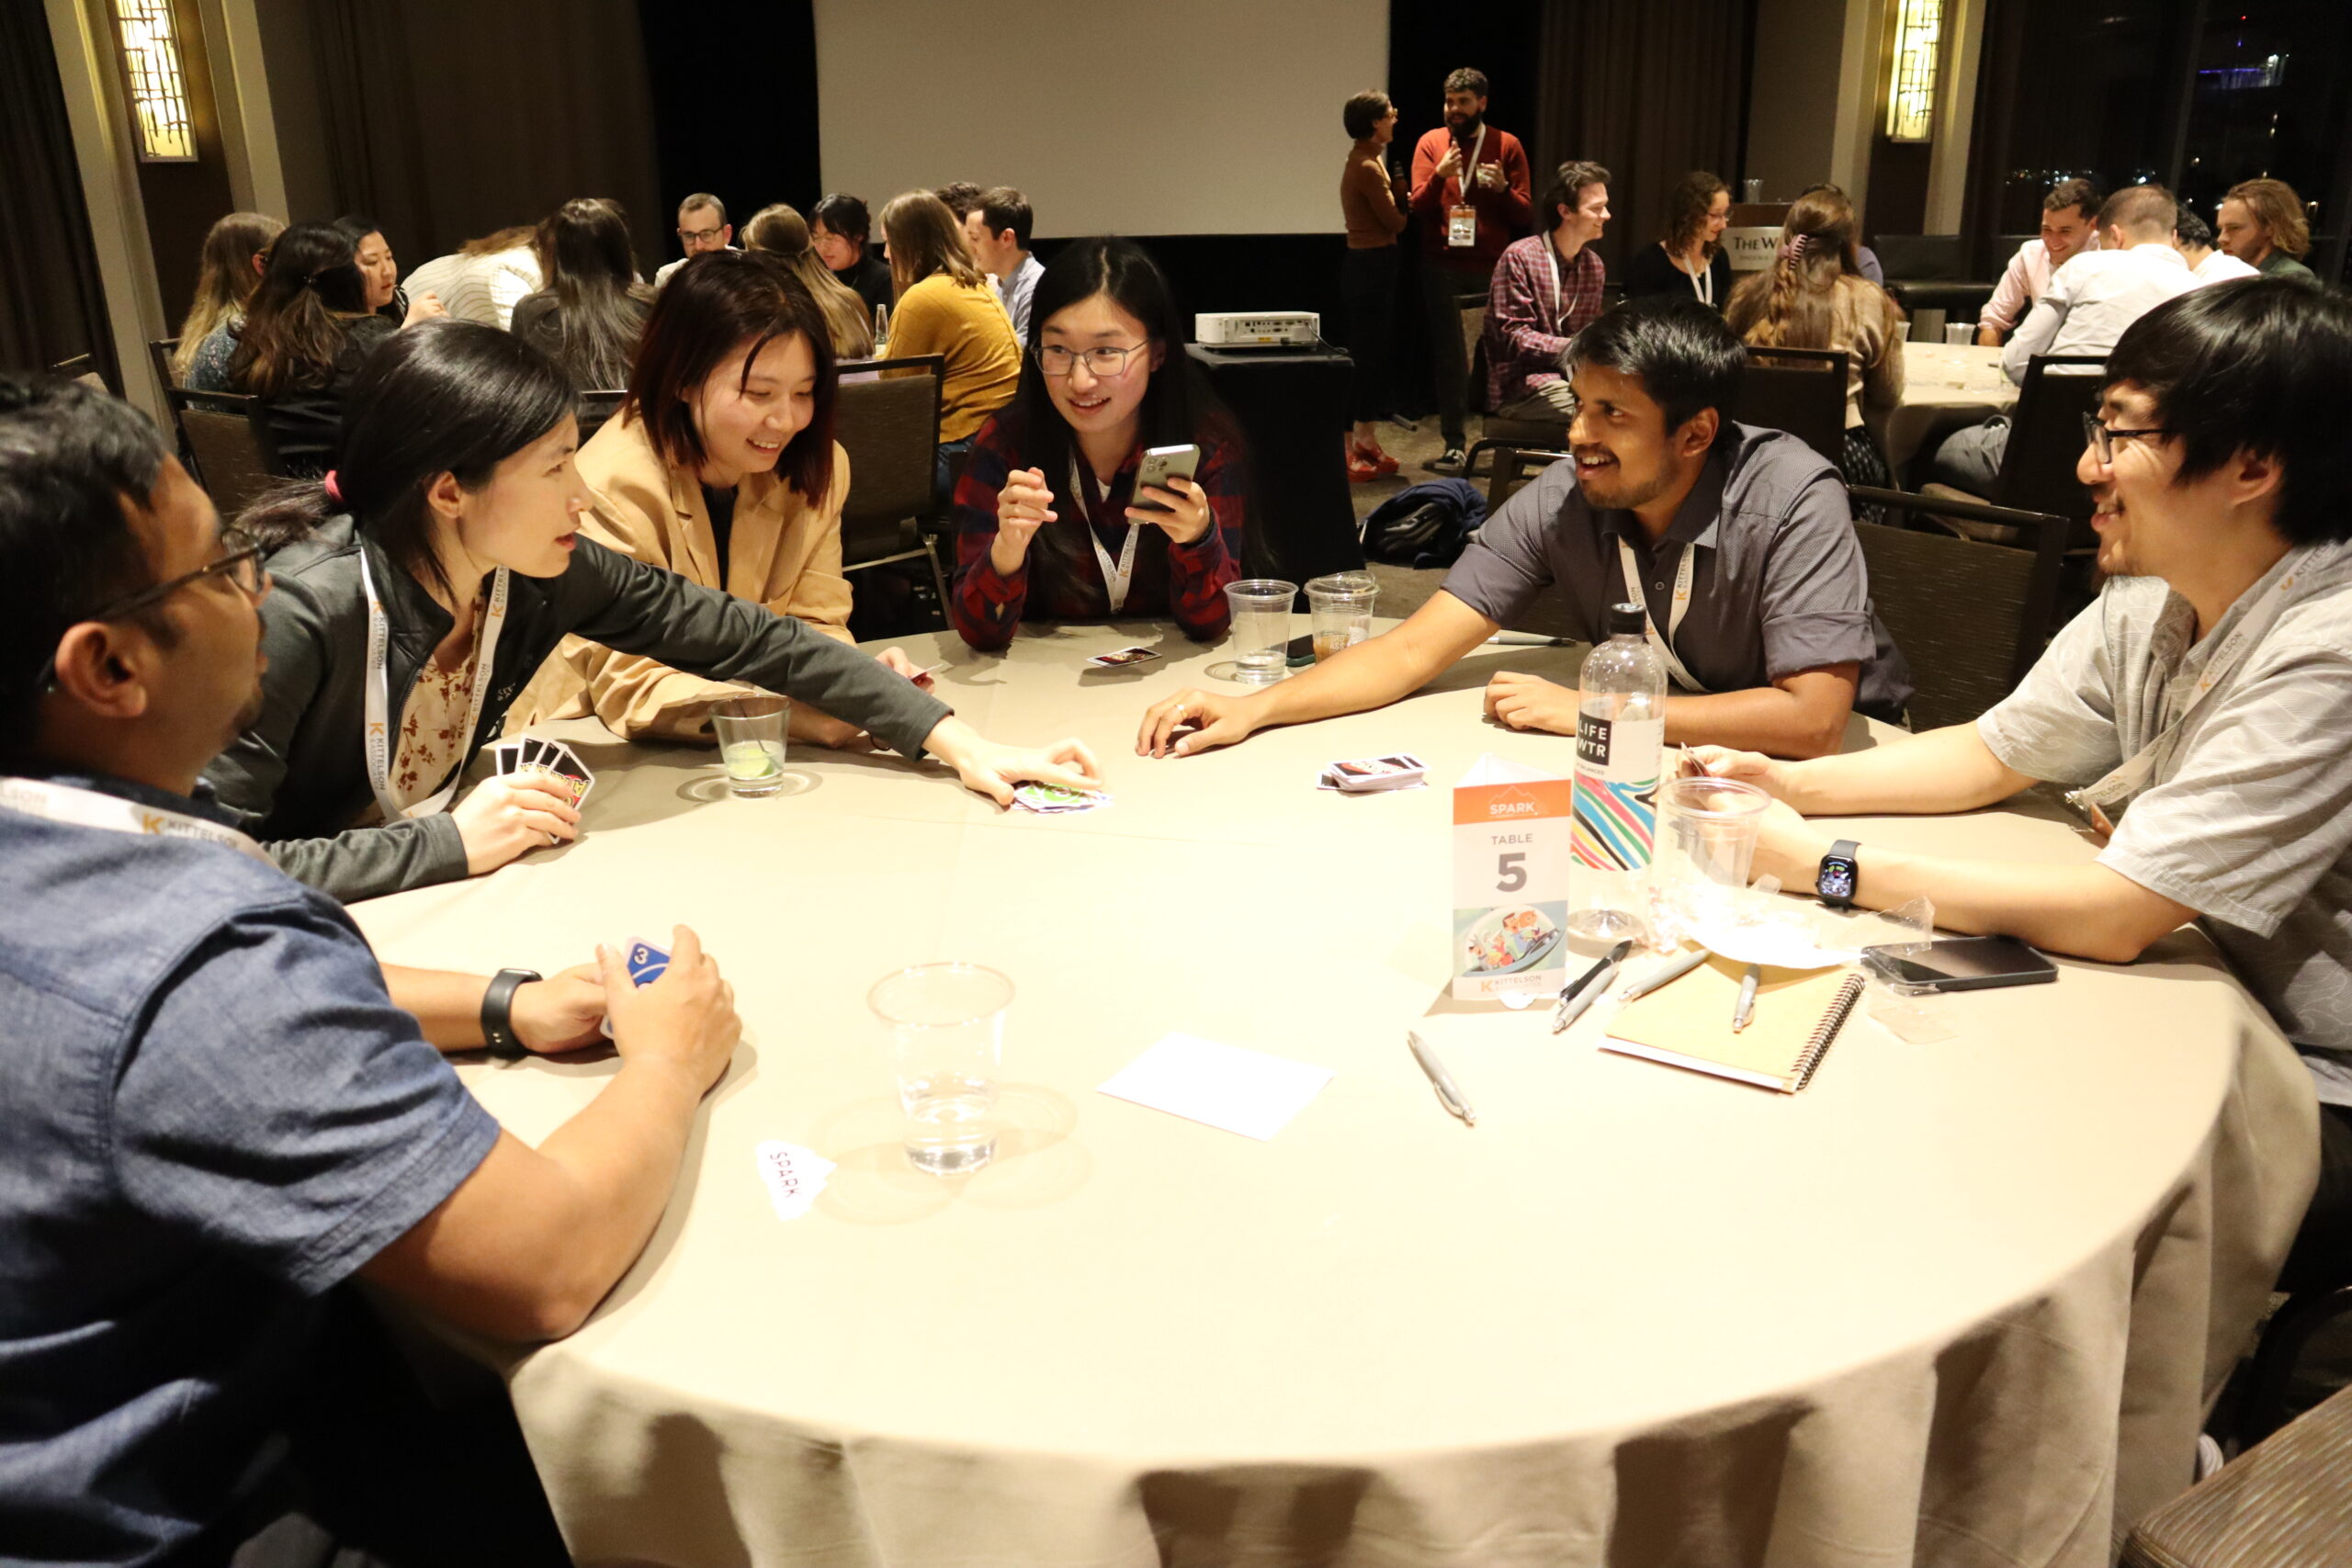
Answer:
(498, 1012)
(1839, 877)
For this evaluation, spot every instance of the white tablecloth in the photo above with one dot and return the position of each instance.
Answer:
(1957, 1304)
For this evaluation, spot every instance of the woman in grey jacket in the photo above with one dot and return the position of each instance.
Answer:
(421, 585)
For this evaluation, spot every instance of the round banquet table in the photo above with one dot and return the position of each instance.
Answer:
(1945, 387)
(1958, 1303)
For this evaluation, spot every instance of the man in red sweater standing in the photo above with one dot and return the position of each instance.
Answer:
(1470, 192)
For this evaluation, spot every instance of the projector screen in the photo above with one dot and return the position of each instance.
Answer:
(1181, 116)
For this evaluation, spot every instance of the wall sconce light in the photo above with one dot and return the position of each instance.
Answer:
(1911, 100)
(152, 76)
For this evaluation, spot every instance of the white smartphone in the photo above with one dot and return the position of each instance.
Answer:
(1162, 464)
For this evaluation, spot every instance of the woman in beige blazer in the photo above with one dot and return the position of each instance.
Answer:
(720, 467)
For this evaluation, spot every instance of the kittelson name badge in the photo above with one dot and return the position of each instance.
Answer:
(1513, 827)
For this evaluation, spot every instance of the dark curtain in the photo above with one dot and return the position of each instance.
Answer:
(52, 305)
(449, 118)
(1649, 89)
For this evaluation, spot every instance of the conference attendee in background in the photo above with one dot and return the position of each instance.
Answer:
(1815, 296)
(233, 1108)
(373, 256)
(839, 227)
(960, 197)
(2262, 224)
(2200, 706)
(308, 330)
(589, 316)
(2069, 225)
(1471, 196)
(1373, 203)
(453, 515)
(1868, 257)
(702, 229)
(2193, 238)
(228, 271)
(1546, 290)
(483, 279)
(2086, 309)
(1049, 522)
(945, 306)
(998, 230)
(723, 469)
(779, 231)
(1689, 256)
(1736, 541)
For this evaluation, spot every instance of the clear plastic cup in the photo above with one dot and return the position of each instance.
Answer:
(1261, 608)
(943, 1026)
(1960, 333)
(1340, 606)
(1706, 843)
(750, 742)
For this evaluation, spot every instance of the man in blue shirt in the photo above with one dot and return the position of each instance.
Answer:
(217, 1110)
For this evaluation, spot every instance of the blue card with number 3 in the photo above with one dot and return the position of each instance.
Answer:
(646, 963)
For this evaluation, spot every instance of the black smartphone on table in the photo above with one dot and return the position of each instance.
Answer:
(1962, 963)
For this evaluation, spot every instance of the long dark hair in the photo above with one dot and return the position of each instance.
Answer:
(1793, 303)
(443, 397)
(585, 256)
(711, 307)
(1686, 211)
(1178, 407)
(292, 330)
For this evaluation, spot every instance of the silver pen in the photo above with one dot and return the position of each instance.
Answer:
(1745, 1008)
(1674, 968)
(1529, 639)
(1582, 992)
(1448, 1094)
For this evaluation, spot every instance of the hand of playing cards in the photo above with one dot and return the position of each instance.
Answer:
(670, 1007)
(546, 759)
(527, 807)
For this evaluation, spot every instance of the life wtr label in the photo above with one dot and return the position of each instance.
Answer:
(1616, 792)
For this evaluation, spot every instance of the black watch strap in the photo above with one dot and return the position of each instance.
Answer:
(498, 1011)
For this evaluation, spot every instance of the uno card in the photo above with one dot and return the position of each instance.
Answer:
(647, 964)
(1052, 799)
(1365, 775)
(573, 771)
(504, 755)
(1125, 658)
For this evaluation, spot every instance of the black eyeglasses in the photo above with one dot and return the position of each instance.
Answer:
(241, 564)
(1106, 364)
(2102, 438)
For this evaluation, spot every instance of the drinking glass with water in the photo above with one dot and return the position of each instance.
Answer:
(943, 1026)
(1261, 608)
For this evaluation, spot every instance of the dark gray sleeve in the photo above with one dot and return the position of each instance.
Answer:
(1505, 567)
(631, 607)
(361, 862)
(1816, 604)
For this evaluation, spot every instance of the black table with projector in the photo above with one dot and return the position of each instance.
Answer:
(1288, 390)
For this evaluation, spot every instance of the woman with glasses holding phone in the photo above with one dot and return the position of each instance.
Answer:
(1051, 523)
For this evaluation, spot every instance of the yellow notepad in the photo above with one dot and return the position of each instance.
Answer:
(1687, 1023)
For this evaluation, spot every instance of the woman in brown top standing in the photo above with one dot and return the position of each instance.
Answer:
(1375, 210)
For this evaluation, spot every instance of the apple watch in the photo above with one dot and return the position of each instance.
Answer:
(1838, 875)
(498, 1011)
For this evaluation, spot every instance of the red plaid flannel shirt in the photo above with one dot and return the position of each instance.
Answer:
(1527, 326)
(1057, 583)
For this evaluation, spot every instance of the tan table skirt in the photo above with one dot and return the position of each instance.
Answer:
(1958, 1304)
(1945, 387)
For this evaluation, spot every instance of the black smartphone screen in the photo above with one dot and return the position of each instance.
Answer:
(1965, 963)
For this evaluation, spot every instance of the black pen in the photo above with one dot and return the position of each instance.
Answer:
(1580, 993)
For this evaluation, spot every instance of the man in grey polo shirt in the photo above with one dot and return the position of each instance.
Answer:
(1738, 542)
(2199, 710)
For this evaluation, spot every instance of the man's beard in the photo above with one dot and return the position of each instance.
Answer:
(1630, 496)
(1466, 126)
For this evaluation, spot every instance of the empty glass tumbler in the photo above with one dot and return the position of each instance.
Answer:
(1340, 605)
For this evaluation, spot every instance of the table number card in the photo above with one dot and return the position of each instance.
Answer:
(1513, 832)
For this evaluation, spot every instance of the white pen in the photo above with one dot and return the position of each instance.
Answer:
(1529, 639)
(1674, 968)
(1448, 1094)
(1745, 1008)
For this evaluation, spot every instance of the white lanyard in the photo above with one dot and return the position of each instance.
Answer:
(1115, 578)
(1702, 282)
(1677, 608)
(88, 808)
(2132, 775)
(378, 738)
(1469, 173)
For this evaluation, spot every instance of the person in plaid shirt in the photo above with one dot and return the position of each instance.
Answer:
(1049, 524)
(1546, 290)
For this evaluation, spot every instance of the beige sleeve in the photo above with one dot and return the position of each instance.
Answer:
(638, 697)
(818, 594)
(1882, 377)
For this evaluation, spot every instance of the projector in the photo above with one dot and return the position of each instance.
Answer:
(1265, 329)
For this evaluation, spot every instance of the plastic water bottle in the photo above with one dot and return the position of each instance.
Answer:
(881, 326)
(1621, 738)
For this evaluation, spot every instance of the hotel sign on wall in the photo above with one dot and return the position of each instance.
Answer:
(1751, 250)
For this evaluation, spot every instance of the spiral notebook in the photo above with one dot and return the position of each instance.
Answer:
(1687, 1023)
